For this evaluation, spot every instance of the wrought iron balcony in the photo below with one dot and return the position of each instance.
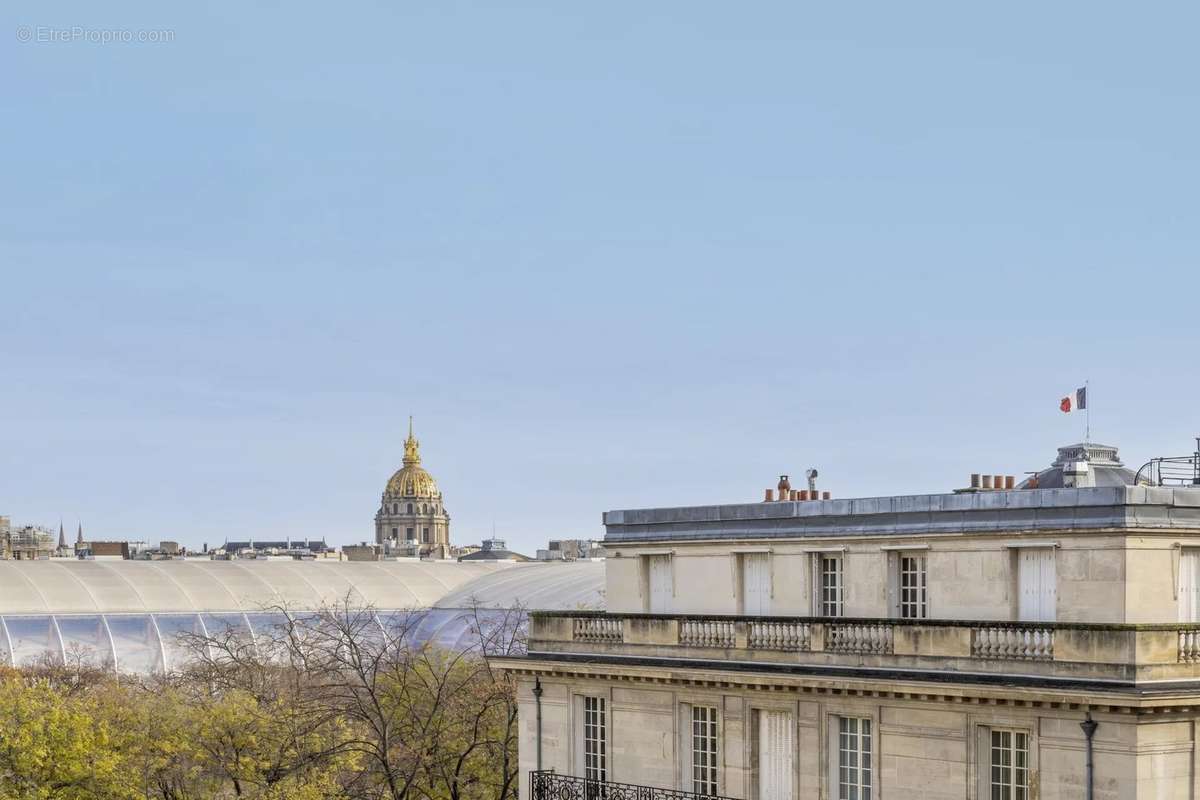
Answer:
(549, 785)
(1114, 653)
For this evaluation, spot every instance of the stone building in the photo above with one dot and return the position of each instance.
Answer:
(988, 644)
(411, 509)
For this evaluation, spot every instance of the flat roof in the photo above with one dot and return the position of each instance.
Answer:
(1119, 507)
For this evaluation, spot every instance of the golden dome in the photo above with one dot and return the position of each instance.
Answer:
(411, 480)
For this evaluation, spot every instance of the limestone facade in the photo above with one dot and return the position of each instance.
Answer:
(935, 646)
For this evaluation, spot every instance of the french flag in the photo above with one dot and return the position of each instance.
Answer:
(1064, 405)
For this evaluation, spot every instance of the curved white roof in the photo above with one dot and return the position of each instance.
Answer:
(66, 586)
(561, 586)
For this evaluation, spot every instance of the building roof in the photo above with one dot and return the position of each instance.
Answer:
(1121, 507)
(68, 586)
(561, 585)
(1102, 460)
(130, 613)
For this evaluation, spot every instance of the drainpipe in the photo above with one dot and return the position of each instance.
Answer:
(537, 696)
(1089, 730)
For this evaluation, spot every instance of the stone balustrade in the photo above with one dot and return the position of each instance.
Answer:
(597, 629)
(769, 635)
(1021, 642)
(1128, 653)
(707, 633)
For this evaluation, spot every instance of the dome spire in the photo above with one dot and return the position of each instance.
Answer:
(412, 448)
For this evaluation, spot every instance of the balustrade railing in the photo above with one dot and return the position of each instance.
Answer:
(598, 629)
(859, 637)
(1021, 643)
(707, 633)
(553, 786)
(1189, 646)
(771, 635)
(1103, 650)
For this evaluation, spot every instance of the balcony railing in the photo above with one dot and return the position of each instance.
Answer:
(1077, 651)
(553, 786)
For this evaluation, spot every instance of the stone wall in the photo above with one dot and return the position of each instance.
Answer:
(923, 749)
(1100, 577)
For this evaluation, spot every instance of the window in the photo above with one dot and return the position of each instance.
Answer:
(395, 508)
(408, 533)
(1009, 762)
(395, 533)
(704, 750)
(595, 754)
(831, 586)
(410, 508)
(912, 586)
(854, 759)
(425, 535)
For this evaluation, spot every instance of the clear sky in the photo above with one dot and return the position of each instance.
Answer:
(609, 255)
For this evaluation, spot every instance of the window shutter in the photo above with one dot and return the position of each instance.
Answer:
(832, 754)
(983, 763)
(685, 747)
(577, 767)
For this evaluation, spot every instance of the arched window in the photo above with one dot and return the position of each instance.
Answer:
(410, 508)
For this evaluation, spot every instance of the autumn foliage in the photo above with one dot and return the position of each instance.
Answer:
(330, 705)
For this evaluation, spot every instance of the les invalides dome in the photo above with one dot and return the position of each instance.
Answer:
(411, 510)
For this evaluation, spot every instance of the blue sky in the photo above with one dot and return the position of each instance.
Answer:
(609, 255)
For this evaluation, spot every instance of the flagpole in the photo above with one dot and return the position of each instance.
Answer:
(1087, 396)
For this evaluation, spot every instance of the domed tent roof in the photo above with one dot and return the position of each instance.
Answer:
(1102, 459)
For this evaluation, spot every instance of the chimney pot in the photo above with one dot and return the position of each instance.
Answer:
(974, 480)
(1010, 481)
(770, 496)
(997, 481)
(803, 495)
(987, 481)
(826, 496)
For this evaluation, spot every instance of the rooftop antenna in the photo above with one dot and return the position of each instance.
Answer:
(811, 474)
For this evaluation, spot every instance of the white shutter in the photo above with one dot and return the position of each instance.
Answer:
(1049, 586)
(1038, 585)
(660, 584)
(756, 584)
(685, 747)
(776, 766)
(1189, 586)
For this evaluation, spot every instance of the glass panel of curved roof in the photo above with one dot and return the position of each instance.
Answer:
(32, 638)
(174, 629)
(219, 626)
(549, 586)
(5, 650)
(85, 639)
(135, 641)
